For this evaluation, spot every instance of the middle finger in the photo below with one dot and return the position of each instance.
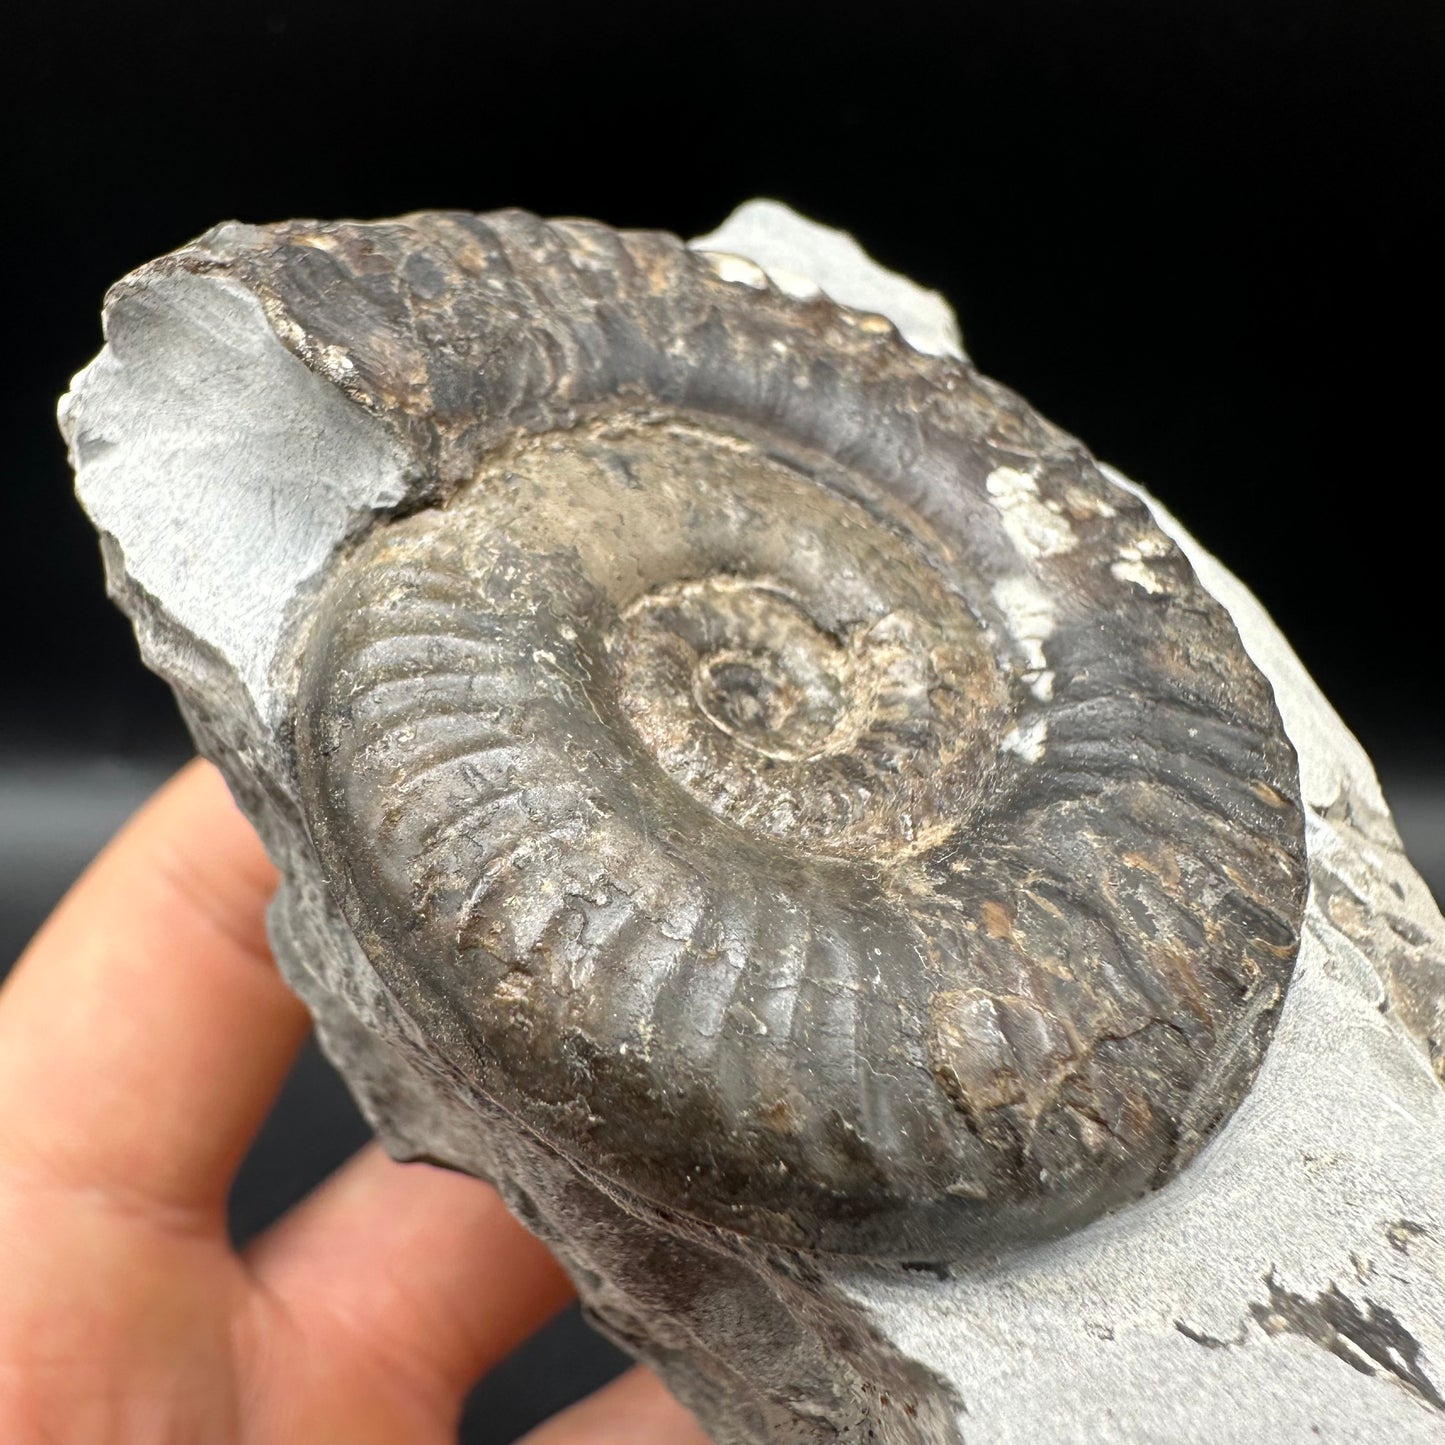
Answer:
(421, 1267)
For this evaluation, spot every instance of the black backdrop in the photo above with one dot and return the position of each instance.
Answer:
(1203, 237)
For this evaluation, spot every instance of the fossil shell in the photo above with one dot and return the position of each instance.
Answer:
(779, 769)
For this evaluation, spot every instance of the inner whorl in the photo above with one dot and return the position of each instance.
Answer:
(889, 859)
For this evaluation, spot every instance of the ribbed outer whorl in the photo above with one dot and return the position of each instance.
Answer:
(780, 770)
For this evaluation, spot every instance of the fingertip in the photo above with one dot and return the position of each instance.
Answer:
(422, 1266)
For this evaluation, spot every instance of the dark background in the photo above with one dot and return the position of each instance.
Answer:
(1204, 238)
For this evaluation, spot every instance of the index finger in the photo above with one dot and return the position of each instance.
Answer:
(145, 1031)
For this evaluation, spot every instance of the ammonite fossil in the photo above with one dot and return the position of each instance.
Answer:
(778, 768)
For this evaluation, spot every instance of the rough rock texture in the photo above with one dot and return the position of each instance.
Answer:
(1289, 1284)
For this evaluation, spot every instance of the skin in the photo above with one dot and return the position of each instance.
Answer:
(143, 1037)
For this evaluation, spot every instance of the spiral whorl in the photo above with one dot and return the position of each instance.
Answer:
(787, 776)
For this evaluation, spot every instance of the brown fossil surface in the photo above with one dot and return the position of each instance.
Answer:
(775, 766)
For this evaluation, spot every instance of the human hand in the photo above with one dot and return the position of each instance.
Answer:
(143, 1037)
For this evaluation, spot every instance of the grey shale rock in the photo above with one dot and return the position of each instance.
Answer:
(616, 644)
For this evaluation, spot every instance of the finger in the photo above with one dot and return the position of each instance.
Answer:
(419, 1267)
(634, 1409)
(145, 1031)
